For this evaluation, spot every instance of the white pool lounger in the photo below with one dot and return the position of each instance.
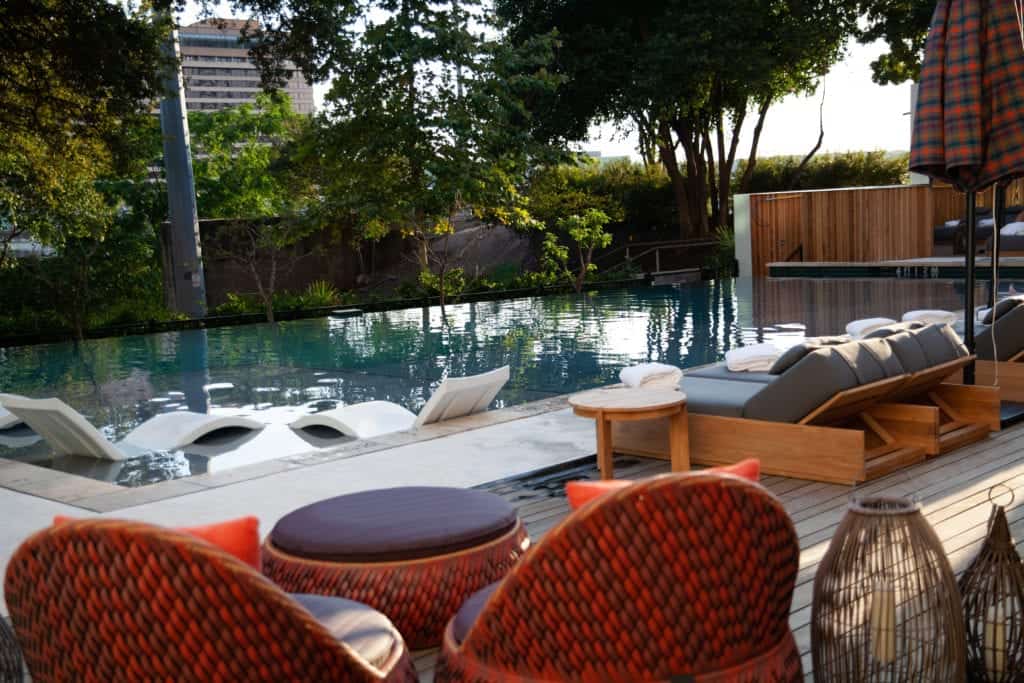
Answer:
(68, 433)
(456, 397)
(7, 418)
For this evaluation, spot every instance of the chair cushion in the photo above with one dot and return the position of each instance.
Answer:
(908, 351)
(470, 610)
(813, 380)
(239, 537)
(1002, 307)
(387, 525)
(364, 629)
(864, 363)
(896, 328)
(720, 371)
(1009, 337)
(582, 491)
(718, 396)
(798, 351)
(939, 343)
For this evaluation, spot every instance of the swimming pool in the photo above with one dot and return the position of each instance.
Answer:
(554, 345)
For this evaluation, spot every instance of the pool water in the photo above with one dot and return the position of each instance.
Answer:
(553, 344)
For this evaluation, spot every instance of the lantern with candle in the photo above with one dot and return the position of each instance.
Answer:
(992, 587)
(886, 605)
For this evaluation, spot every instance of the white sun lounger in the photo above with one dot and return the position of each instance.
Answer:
(455, 397)
(68, 433)
(8, 419)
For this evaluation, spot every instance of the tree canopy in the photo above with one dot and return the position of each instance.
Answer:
(684, 75)
(903, 25)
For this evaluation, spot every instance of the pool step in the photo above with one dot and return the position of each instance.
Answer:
(670, 277)
(346, 313)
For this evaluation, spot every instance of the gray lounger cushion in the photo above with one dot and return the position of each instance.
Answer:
(908, 350)
(806, 385)
(798, 351)
(1009, 334)
(718, 396)
(895, 328)
(1001, 308)
(940, 344)
(870, 359)
(720, 371)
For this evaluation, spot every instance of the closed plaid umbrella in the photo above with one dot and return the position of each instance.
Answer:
(969, 120)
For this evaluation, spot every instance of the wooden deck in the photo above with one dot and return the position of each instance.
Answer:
(953, 490)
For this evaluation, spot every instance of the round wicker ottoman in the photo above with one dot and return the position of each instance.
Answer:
(413, 553)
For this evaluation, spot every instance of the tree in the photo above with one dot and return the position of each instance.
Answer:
(904, 28)
(686, 75)
(587, 233)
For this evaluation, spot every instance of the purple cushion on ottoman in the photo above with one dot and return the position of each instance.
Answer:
(388, 525)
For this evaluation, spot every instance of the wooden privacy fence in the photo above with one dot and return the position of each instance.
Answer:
(856, 225)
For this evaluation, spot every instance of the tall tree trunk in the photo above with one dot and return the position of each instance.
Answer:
(696, 178)
(666, 148)
(714, 193)
(799, 171)
(726, 161)
(748, 172)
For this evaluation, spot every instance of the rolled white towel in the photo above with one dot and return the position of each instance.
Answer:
(930, 316)
(858, 328)
(651, 375)
(756, 357)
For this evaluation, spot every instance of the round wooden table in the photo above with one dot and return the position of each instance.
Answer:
(623, 404)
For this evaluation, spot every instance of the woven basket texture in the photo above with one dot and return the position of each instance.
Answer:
(419, 596)
(107, 600)
(675, 576)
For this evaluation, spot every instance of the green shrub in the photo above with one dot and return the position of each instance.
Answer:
(319, 294)
(850, 169)
(722, 259)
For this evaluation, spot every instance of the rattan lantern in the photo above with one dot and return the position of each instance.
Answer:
(992, 587)
(886, 604)
(11, 670)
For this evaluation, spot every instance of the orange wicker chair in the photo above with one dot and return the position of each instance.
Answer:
(679, 577)
(108, 600)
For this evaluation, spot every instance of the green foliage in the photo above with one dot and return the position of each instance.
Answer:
(850, 169)
(321, 293)
(449, 283)
(243, 164)
(903, 26)
(722, 259)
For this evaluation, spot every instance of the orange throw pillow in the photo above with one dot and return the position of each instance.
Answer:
(239, 537)
(583, 491)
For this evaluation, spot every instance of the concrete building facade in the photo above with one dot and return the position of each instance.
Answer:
(219, 73)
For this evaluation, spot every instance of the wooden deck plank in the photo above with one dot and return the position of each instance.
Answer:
(952, 490)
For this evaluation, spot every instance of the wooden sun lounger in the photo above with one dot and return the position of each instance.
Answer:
(857, 435)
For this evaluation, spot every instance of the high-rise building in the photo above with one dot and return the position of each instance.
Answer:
(219, 73)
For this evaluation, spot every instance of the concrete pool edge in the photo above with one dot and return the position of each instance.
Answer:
(99, 496)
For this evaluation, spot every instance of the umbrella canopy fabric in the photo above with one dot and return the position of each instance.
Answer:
(969, 121)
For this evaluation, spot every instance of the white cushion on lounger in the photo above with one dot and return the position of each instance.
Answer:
(756, 357)
(858, 328)
(1012, 229)
(930, 316)
(986, 222)
(651, 375)
(953, 223)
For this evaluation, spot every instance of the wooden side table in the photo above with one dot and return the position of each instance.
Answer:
(622, 404)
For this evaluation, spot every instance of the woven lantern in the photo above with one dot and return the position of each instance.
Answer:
(11, 670)
(993, 595)
(886, 604)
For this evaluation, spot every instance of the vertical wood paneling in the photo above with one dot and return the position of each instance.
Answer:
(854, 224)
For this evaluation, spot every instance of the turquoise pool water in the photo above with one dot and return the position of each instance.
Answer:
(554, 345)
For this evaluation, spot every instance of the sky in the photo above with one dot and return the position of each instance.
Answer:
(858, 114)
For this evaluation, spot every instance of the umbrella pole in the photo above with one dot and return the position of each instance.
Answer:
(971, 199)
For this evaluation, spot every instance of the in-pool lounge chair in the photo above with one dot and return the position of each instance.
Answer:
(68, 433)
(456, 397)
(7, 418)
(839, 412)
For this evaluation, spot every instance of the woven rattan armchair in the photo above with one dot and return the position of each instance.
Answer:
(682, 575)
(107, 600)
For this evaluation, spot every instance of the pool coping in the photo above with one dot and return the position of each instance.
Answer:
(100, 496)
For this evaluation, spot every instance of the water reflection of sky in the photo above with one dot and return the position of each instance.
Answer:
(554, 345)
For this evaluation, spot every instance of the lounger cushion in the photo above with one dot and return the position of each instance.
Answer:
(1009, 337)
(718, 396)
(395, 524)
(810, 382)
(1002, 307)
(908, 350)
(871, 360)
(889, 330)
(798, 351)
(362, 628)
(720, 371)
(939, 343)
(470, 610)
